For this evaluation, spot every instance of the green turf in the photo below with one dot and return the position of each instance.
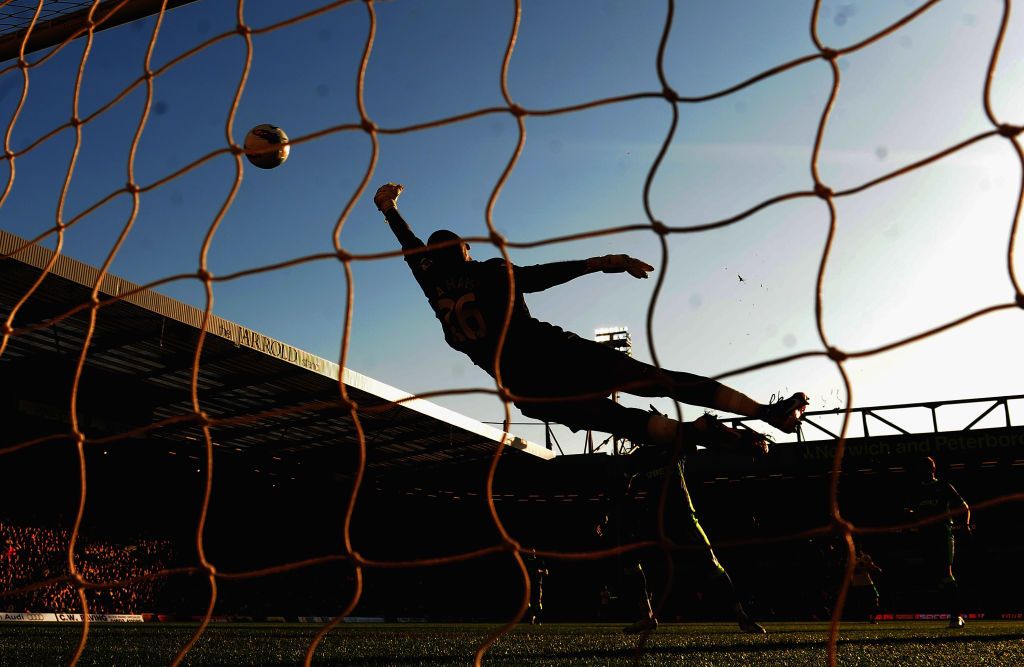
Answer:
(918, 644)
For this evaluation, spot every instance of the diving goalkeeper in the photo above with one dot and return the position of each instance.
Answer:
(547, 369)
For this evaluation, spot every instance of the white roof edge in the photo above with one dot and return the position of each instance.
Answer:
(83, 274)
(368, 384)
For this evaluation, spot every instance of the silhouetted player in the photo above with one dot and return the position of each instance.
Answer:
(930, 496)
(541, 363)
(863, 601)
(645, 470)
(537, 568)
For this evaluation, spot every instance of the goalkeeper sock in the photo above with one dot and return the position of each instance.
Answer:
(665, 432)
(730, 400)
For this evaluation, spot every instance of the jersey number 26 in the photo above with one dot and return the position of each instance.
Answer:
(462, 318)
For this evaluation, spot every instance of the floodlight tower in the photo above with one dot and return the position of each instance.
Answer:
(617, 338)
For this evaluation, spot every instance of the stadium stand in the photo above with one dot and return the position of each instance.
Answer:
(284, 446)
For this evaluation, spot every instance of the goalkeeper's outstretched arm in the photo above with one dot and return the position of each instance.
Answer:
(542, 276)
(386, 200)
(529, 278)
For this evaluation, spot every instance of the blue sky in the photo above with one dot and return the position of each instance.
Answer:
(909, 255)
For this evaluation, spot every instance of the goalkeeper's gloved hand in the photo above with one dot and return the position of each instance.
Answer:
(618, 264)
(387, 196)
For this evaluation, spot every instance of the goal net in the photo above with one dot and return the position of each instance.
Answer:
(124, 125)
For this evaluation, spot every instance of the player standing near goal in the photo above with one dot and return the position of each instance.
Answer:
(644, 473)
(930, 496)
(863, 600)
(545, 365)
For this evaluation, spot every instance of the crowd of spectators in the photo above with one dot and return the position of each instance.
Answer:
(30, 555)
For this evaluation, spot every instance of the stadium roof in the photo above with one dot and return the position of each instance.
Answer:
(60, 20)
(139, 366)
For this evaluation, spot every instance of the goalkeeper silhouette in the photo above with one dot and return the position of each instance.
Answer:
(554, 375)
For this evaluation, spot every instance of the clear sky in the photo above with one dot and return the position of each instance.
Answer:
(911, 254)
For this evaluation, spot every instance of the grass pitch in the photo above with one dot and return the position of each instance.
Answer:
(918, 643)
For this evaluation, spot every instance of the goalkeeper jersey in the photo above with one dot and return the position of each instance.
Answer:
(470, 300)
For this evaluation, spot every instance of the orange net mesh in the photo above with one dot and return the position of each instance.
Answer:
(1000, 131)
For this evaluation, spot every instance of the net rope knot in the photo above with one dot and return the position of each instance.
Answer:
(823, 191)
(204, 275)
(243, 30)
(841, 526)
(369, 126)
(1009, 131)
(835, 354)
(517, 110)
(829, 54)
(1020, 299)
(660, 228)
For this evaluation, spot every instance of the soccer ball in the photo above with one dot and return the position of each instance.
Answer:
(272, 141)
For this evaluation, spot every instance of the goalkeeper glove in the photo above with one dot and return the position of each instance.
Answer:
(618, 264)
(387, 196)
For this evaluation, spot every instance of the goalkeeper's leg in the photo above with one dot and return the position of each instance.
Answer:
(648, 428)
(640, 379)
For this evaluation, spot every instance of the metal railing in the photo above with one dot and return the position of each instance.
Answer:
(860, 416)
(864, 416)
